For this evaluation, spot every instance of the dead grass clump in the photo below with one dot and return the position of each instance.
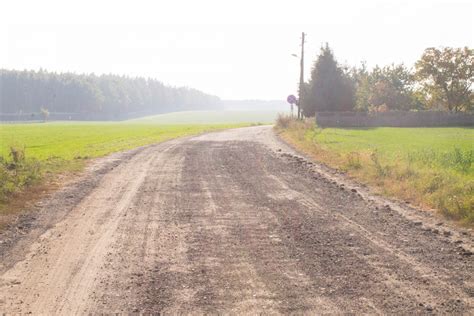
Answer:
(283, 121)
(17, 172)
(353, 161)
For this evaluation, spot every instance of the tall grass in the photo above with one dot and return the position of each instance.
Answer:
(456, 158)
(17, 172)
(430, 167)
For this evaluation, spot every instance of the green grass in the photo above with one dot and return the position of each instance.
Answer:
(438, 147)
(45, 149)
(432, 167)
(211, 117)
(392, 140)
(75, 140)
(50, 148)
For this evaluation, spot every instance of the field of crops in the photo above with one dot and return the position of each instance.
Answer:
(432, 167)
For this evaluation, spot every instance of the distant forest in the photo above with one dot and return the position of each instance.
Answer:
(36, 95)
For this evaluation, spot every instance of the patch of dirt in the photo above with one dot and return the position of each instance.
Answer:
(231, 222)
(30, 199)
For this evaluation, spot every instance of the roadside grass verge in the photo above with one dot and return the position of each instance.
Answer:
(31, 155)
(429, 167)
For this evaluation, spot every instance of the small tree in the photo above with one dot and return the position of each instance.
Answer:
(446, 76)
(44, 114)
(330, 88)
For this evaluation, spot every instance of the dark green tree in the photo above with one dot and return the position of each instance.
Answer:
(330, 87)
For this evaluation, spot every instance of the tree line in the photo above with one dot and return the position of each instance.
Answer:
(441, 80)
(29, 94)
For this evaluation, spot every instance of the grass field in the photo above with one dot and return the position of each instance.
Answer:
(211, 117)
(78, 140)
(29, 152)
(432, 167)
(68, 140)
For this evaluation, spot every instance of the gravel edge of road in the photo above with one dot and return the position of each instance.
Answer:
(35, 220)
(428, 220)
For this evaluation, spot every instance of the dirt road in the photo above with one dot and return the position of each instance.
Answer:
(234, 222)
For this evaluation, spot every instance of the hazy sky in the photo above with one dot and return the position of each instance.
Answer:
(234, 49)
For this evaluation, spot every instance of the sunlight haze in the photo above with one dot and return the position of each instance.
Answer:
(237, 157)
(232, 49)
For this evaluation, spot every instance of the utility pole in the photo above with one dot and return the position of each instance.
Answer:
(301, 90)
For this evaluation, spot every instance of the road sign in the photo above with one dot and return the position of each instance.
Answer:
(291, 99)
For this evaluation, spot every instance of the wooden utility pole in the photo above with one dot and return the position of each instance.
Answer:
(301, 89)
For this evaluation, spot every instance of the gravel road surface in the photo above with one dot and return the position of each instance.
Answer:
(229, 222)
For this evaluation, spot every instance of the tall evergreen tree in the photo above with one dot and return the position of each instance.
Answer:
(330, 88)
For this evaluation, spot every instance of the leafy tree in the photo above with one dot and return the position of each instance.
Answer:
(330, 87)
(446, 76)
(362, 83)
(391, 87)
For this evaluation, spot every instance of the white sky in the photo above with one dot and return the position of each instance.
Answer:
(237, 49)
